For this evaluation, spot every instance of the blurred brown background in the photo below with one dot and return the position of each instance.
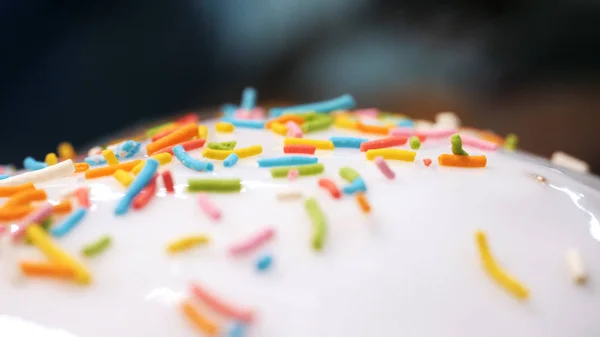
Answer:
(78, 71)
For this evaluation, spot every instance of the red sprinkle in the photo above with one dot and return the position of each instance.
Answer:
(427, 161)
(188, 119)
(383, 143)
(168, 181)
(305, 149)
(189, 145)
(83, 197)
(329, 185)
(145, 195)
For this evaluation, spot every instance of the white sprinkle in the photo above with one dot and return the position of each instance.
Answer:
(562, 159)
(447, 119)
(576, 266)
(60, 170)
(94, 151)
(292, 195)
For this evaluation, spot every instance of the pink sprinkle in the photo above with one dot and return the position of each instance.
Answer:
(427, 161)
(257, 113)
(372, 112)
(294, 130)
(384, 168)
(293, 174)
(434, 133)
(36, 217)
(253, 242)
(478, 143)
(208, 207)
(242, 114)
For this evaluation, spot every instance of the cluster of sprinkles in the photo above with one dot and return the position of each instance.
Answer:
(137, 168)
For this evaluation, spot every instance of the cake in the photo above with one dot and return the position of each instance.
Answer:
(401, 245)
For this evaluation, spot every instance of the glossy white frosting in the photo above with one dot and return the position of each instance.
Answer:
(410, 268)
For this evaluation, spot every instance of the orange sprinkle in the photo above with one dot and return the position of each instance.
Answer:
(45, 269)
(62, 208)
(363, 202)
(462, 161)
(167, 130)
(81, 167)
(7, 191)
(199, 321)
(491, 137)
(182, 134)
(284, 119)
(14, 213)
(25, 197)
(375, 129)
(109, 170)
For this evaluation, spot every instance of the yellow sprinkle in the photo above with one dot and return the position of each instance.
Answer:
(344, 122)
(319, 144)
(110, 157)
(248, 151)
(495, 271)
(187, 243)
(202, 132)
(137, 168)
(123, 177)
(216, 154)
(224, 127)
(54, 253)
(66, 151)
(163, 158)
(51, 159)
(392, 154)
(279, 128)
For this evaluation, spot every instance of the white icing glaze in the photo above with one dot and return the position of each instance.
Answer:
(411, 268)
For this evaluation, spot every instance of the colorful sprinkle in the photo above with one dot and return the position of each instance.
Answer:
(97, 247)
(201, 322)
(414, 142)
(343, 102)
(168, 181)
(191, 163)
(348, 142)
(392, 154)
(237, 329)
(355, 186)
(136, 187)
(382, 143)
(427, 161)
(109, 170)
(243, 123)
(51, 159)
(567, 161)
(478, 143)
(124, 177)
(304, 170)
(293, 174)
(291, 195)
(66, 151)
(384, 168)
(110, 157)
(60, 170)
(286, 161)
(279, 129)
(363, 202)
(188, 146)
(182, 134)
(220, 306)
(264, 262)
(330, 186)
(69, 223)
(372, 129)
(462, 160)
(348, 174)
(249, 151)
(495, 271)
(457, 148)
(31, 164)
(318, 221)
(511, 143)
(304, 149)
(39, 215)
(248, 98)
(319, 144)
(576, 267)
(224, 127)
(230, 145)
(146, 194)
(231, 160)
(252, 243)
(322, 122)
(186, 243)
(208, 207)
(214, 185)
(293, 130)
(45, 269)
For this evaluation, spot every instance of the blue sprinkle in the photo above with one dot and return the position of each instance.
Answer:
(264, 262)
(343, 102)
(33, 165)
(245, 123)
(95, 160)
(231, 160)
(287, 161)
(358, 185)
(347, 142)
(69, 224)
(136, 187)
(3, 176)
(248, 99)
(237, 329)
(228, 109)
(406, 122)
(189, 162)
(128, 149)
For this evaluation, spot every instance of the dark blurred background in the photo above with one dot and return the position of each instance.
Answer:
(79, 70)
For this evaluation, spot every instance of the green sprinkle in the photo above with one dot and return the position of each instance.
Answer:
(511, 142)
(321, 122)
(303, 170)
(97, 246)
(222, 145)
(348, 174)
(214, 185)
(457, 145)
(308, 115)
(45, 226)
(152, 131)
(318, 221)
(415, 143)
